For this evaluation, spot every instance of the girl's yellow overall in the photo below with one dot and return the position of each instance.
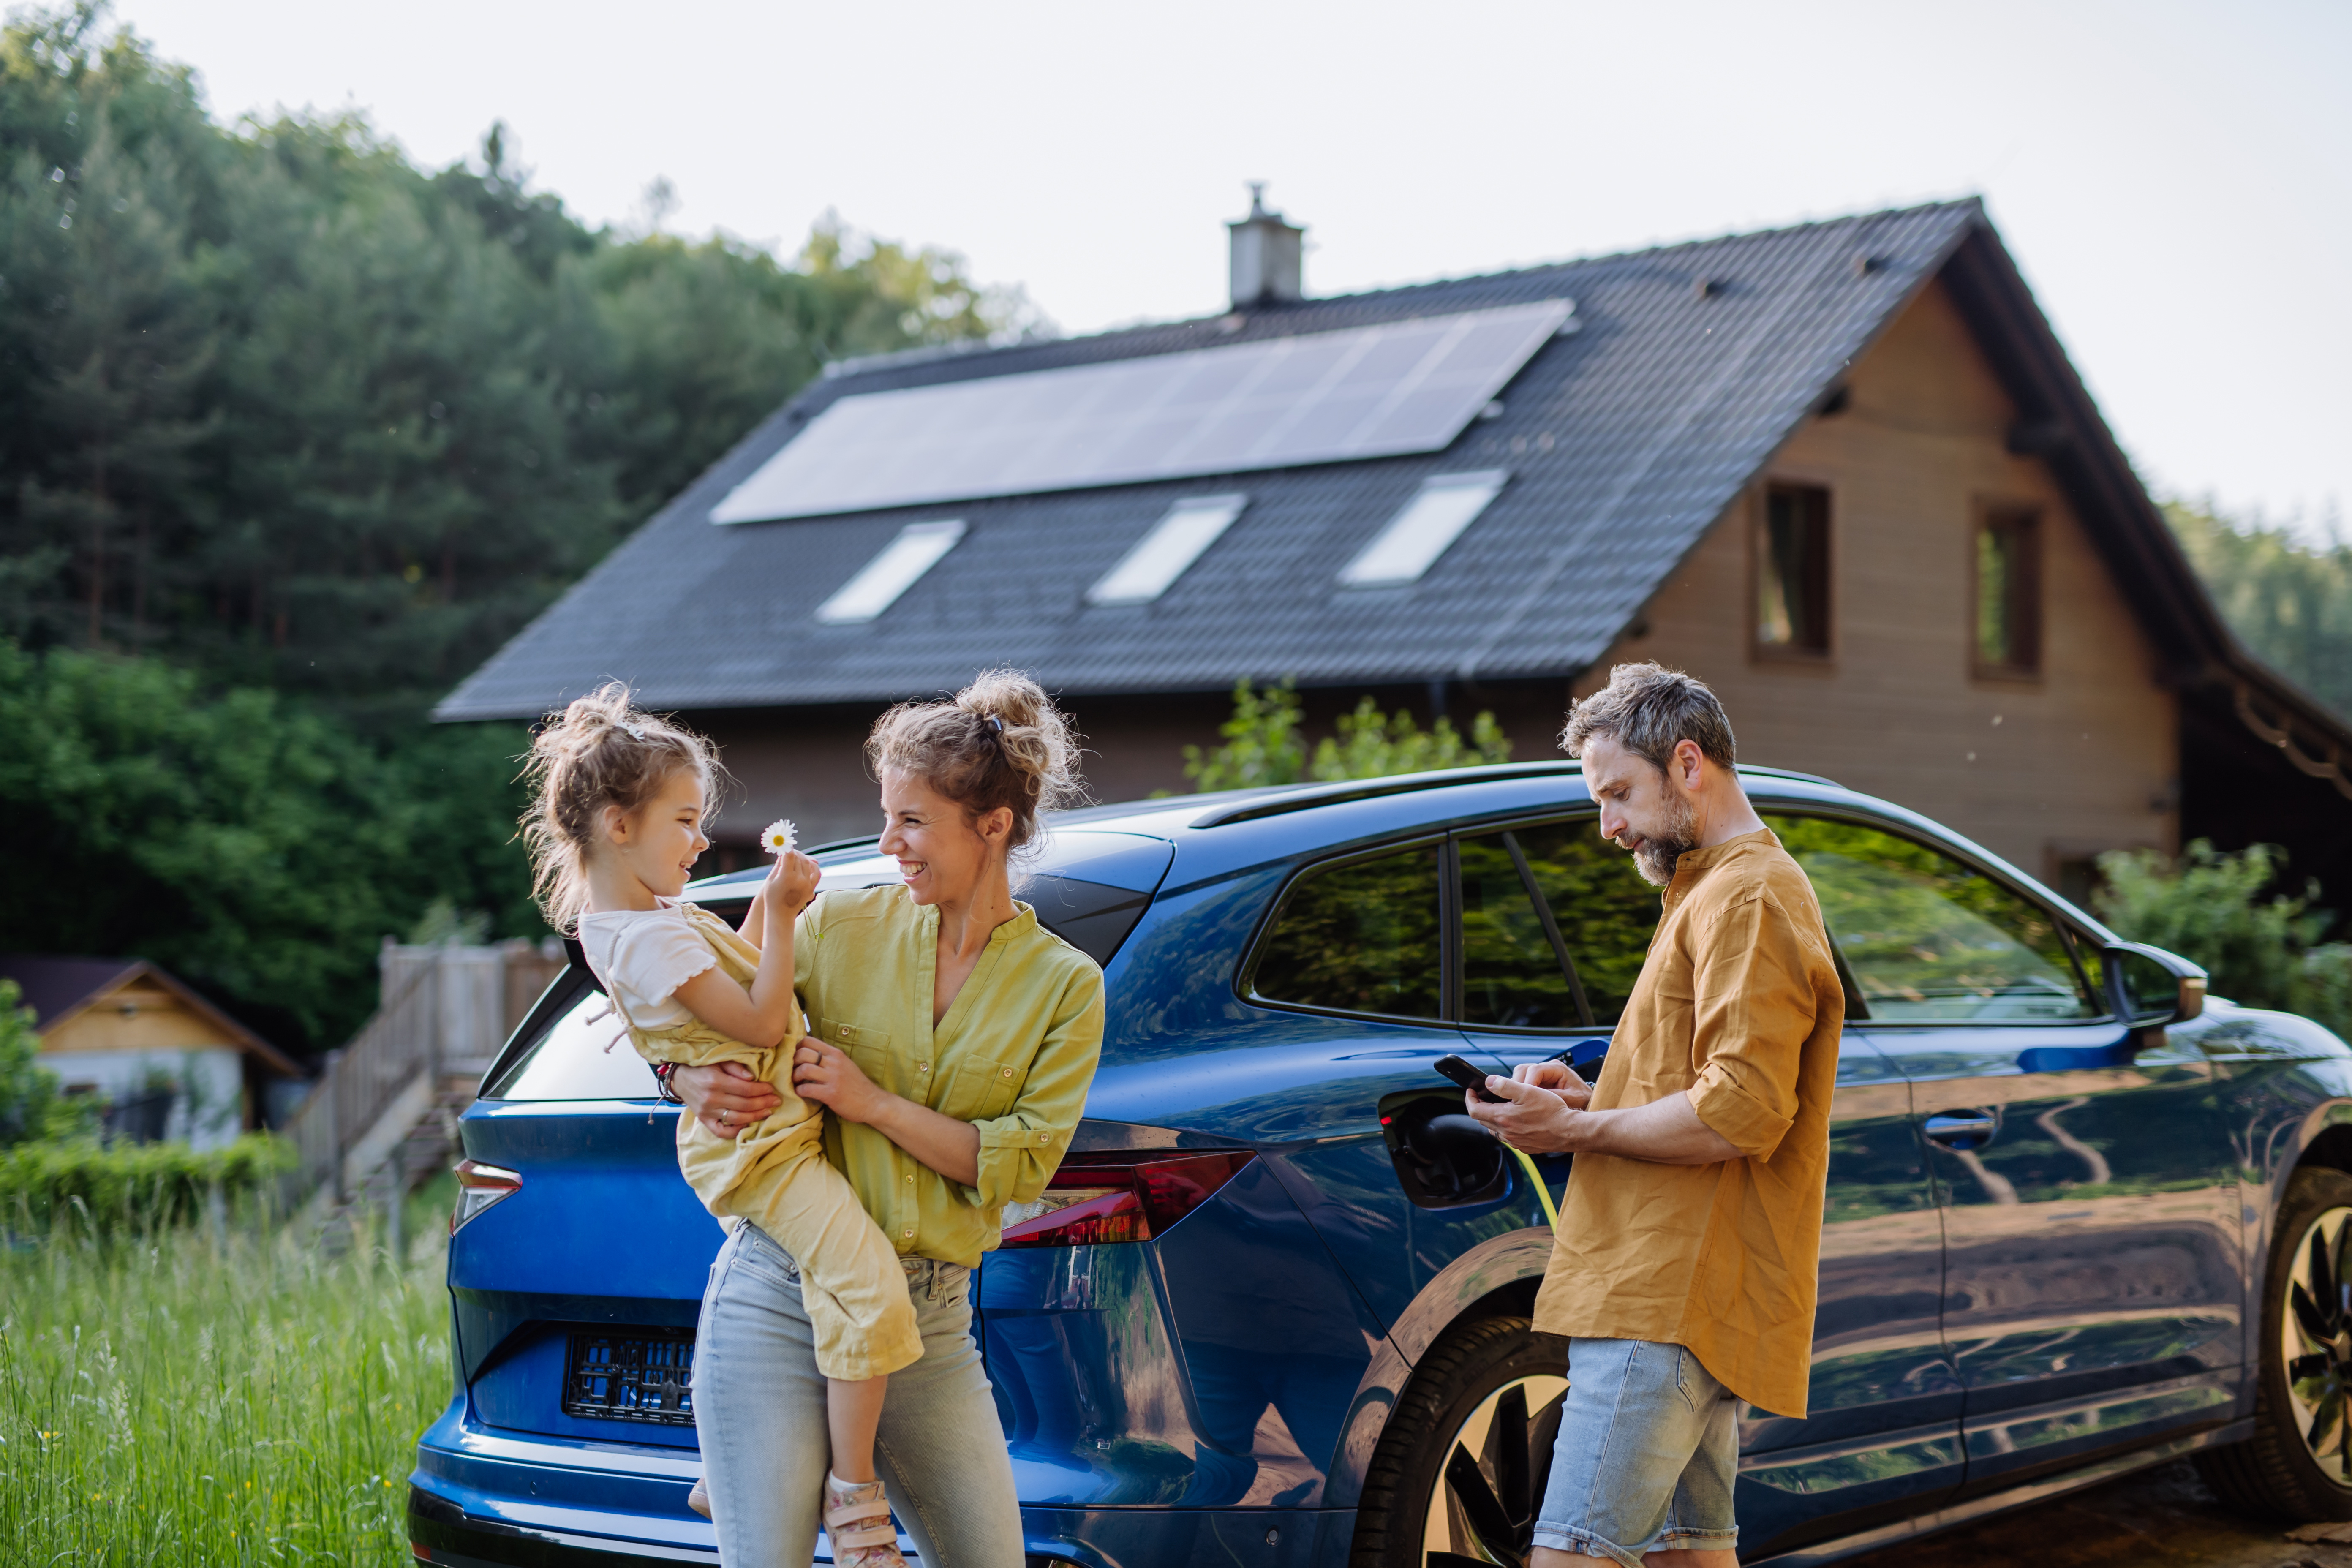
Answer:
(776, 1177)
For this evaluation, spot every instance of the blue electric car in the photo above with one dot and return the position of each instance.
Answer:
(1275, 1310)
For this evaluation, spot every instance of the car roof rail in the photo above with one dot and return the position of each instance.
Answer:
(1299, 797)
(1289, 798)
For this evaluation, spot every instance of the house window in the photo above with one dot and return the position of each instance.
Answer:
(1417, 536)
(913, 551)
(1163, 555)
(1793, 571)
(2008, 594)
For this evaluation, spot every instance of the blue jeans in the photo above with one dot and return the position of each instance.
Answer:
(1647, 1455)
(758, 1411)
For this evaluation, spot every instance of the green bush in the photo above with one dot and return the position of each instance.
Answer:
(30, 1106)
(2325, 988)
(1263, 744)
(2210, 907)
(84, 1187)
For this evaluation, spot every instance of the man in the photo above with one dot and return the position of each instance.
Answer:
(1684, 1273)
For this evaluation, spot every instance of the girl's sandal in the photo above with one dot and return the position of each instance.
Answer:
(858, 1523)
(698, 1500)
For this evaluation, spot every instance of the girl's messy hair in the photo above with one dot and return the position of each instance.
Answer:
(1000, 741)
(600, 751)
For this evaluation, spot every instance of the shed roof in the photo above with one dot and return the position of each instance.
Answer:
(58, 989)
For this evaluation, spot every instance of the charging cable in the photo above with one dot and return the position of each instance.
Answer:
(1543, 1194)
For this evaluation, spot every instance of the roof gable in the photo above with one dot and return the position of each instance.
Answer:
(61, 989)
(1623, 443)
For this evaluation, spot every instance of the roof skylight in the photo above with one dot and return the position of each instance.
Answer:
(900, 564)
(1418, 535)
(1161, 556)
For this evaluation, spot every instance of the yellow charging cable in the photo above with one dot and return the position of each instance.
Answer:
(1543, 1194)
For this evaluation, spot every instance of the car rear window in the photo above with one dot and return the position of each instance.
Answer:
(574, 1048)
(584, 1053)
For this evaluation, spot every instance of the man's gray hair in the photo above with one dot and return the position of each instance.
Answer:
(1649, 709)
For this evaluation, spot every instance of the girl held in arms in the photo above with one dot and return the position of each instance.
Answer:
(622, 800)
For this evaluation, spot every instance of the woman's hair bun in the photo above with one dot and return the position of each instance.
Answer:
(1000, 741)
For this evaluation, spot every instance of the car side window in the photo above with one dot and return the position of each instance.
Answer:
(1511, 972)
(1605, 913)
(1930, 940)
(1359, 937)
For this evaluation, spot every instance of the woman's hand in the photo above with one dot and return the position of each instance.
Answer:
(825, 1074)
(726, 1098)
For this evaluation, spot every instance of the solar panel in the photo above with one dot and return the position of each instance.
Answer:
(1321, 397)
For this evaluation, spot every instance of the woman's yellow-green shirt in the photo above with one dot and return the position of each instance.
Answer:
(1013, 1056)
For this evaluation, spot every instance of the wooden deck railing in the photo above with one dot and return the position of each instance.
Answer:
(446, 1011)
(359, 1082)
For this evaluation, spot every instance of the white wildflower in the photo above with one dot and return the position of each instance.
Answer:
(778, 836)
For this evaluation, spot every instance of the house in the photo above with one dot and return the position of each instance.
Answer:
(1844, 473)
(165, 1062)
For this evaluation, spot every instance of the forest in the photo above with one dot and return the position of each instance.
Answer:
(294, 433)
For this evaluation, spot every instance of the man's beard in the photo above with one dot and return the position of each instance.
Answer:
(1657, 857)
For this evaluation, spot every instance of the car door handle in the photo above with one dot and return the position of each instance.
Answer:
(1965, 1130)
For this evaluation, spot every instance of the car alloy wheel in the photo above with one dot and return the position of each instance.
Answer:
(2316, 1331)
(1458, 1474)
(1483, 1508)
(2294, 1464)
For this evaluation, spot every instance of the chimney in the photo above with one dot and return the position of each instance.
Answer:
(1265, 255)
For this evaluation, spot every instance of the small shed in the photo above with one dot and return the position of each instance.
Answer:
(167, 1063)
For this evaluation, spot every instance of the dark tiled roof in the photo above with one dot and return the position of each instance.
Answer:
(52, 987)
(1625, 442)
(56, 987)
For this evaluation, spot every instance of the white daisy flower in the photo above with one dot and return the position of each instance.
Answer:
(779, 835)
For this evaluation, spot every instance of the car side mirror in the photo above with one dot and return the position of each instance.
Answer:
(2150, 987)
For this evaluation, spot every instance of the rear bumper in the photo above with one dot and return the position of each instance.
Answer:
(488, 1498)
(485, 1495)
(443, 1533)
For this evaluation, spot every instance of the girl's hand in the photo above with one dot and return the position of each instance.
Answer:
(825, 1074)
(792, 882)
(726, 1098)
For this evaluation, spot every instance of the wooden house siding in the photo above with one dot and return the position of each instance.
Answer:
(138, 1016)
(2043, 771)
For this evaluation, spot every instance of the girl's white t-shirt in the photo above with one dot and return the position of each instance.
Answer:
(643, 956)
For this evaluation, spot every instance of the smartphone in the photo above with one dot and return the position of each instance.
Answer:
(1468, 1074)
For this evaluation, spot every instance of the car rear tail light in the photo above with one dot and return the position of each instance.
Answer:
(1127, 1195)
(480, 1187)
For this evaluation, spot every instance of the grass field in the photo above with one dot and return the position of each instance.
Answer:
(212, 1398)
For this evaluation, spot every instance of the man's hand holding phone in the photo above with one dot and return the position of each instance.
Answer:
(1535, 1108)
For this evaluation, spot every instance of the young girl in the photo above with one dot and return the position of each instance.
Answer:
(622, 796)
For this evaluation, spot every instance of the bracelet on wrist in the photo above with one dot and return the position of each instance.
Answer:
(662, 1071)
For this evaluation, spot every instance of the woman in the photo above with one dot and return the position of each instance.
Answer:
(953, 1039)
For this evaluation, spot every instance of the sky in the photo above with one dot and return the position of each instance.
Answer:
(2175, 179)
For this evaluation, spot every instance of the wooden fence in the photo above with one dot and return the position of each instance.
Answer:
(444, 1013)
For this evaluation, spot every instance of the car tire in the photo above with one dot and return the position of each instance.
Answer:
(1459, 1472)
(2298, 1464)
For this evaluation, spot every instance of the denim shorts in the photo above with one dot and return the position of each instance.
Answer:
(1647, 1455)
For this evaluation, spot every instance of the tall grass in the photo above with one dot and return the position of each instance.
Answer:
(217, 1396)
